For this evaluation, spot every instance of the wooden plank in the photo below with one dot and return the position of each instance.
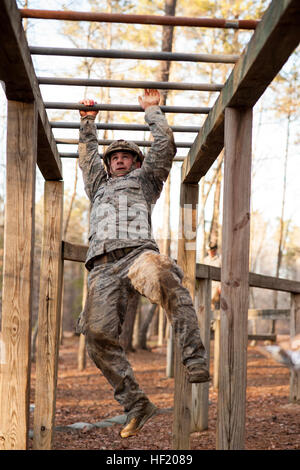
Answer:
(73, 252)
(273, 283)
(267, 337)
(266, 314)
(270, 314)
(204, 271)
(49, 316)
(200, 392)
(273, 41)
(187, 261)
(234, 280)
(17, 71)
(17, 275)
(295, 330)
(170, 353)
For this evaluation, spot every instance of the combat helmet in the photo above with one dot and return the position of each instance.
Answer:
(121, 145)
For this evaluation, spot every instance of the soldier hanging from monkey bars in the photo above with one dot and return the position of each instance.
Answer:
(123, 256)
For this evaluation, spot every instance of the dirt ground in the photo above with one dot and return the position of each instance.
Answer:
(272, 423)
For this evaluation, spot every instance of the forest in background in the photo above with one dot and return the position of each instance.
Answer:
(275, 248)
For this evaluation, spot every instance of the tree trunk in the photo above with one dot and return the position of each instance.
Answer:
(167, 42)
(204, 197)
(142, 344)
(281, 222)
(214, 228)
(71, 202)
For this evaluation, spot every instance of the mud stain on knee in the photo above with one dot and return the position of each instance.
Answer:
(155, 276)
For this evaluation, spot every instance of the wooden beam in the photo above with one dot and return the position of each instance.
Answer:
(274, 40)
(200, 392)
(273, 283)
(270, 314)
(266, 337)
(17, 275)
(72, 252)
(17, 71)
(261, 314)
(187, 261)
(234, 280)
(49, 316)
(204, 271)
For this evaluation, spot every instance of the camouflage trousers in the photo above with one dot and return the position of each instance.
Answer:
(154, 276)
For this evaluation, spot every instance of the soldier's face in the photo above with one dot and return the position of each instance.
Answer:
(121, 163)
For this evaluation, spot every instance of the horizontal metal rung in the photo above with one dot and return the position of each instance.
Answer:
(135, 55)
(75, 155)
(126, 108)
(141, 143)
(90, 82)
(168, 20)
(121, 127)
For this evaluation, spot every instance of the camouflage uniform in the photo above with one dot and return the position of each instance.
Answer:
(120, 229)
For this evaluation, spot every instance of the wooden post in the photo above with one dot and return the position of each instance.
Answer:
(49, 316)
(295, 330)
(17, 275)
(187, 261)
(234, 279)
(170, 354)
(161, 317)
(200, 392)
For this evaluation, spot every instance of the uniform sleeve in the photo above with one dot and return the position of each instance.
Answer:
(158, 161)
(90, 163)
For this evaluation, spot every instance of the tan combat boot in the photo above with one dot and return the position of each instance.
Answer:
(136, 423)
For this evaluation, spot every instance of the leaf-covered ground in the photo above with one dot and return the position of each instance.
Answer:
(272, 423)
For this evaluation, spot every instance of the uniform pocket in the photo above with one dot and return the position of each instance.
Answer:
(130, 186)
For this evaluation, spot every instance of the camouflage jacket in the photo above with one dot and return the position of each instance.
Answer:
(121, 207)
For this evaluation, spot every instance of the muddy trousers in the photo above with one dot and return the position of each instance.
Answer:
(156, 277)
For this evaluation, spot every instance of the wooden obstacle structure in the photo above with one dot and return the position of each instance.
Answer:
(30, 142)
